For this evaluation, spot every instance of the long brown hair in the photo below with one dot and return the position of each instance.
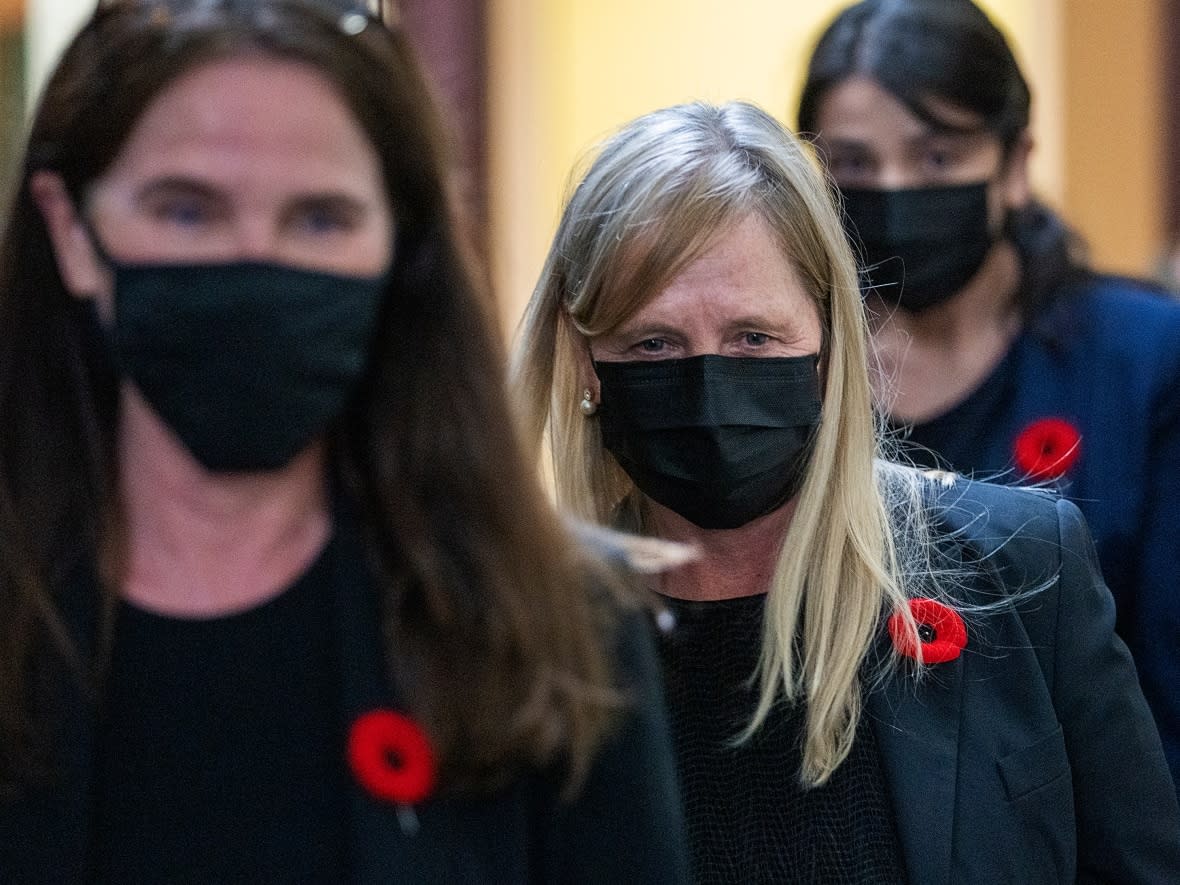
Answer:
(499, 648)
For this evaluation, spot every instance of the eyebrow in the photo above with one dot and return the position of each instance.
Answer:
(171, 185)
(763, 321)
(331, 200)
(843, 143)
(853, 143)
(656, 329)
(177, 184)
(963, 135)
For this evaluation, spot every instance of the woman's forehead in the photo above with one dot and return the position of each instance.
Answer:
(250, 122)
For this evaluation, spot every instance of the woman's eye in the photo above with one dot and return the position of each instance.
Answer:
(324, 221)
(847, 164)
(940, 159)
(651, 345)
(850, 169)
(184, 213)
(755, 339)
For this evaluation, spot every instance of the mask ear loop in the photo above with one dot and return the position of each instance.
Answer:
(100, 250)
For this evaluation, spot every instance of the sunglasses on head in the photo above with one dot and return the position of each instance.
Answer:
(384, 11)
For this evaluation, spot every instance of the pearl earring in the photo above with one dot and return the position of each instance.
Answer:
(587, 405)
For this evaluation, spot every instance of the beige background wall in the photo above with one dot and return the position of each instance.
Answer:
(50, 25)
(566, 72)
(1115, 128)
(12, 14)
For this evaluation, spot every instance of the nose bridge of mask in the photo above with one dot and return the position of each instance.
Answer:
(719, 440)
(711, 391)
(691, 455)
(699, 400)
(263, 307)
(918, 214)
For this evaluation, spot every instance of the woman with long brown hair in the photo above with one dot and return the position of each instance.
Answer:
(282, 600)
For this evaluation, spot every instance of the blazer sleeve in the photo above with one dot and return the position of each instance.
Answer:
(1128, 823)
(626, 825)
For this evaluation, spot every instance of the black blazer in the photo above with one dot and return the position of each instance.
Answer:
(1032, 757)
(1104, 355)
(625, 826)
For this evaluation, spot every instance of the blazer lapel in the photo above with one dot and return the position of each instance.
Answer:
(916, 724)
(379, 845)
(444, 839)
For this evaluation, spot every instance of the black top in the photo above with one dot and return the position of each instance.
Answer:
(748, 818)
(219, 754)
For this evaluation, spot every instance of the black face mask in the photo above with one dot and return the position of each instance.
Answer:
(919, 246)
(246, 362)
(719, 440)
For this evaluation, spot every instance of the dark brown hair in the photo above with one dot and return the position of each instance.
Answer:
(498, 647)
(928, 51)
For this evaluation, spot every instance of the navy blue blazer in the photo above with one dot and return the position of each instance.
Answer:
(626, 824)
(1104, 356)
(1032, 757)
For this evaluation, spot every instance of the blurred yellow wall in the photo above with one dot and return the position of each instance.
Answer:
(1116, 129)
(50, 25)
(12, 13)
(564, 73)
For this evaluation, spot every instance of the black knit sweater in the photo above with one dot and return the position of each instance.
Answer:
(749, 820)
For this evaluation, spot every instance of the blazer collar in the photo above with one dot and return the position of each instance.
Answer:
(380, 840)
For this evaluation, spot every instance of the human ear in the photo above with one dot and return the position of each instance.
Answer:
(1015, 183)
(83, 274)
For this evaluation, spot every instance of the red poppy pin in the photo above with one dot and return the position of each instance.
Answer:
(391, 757)
(941, 632)
(1048, 448)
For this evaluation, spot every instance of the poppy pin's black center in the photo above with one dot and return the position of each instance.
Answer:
(926, 633)
(394, 760)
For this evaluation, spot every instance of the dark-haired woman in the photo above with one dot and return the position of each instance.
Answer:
(1002, 352)
(281, 599)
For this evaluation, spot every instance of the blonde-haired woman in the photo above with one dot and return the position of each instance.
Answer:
(877, 675)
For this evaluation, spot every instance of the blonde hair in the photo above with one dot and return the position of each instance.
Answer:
(654, 197)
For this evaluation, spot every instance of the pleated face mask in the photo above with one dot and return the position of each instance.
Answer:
(920, 246)
(719, 440)
(246, 362)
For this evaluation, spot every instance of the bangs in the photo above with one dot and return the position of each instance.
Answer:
(658, 226)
